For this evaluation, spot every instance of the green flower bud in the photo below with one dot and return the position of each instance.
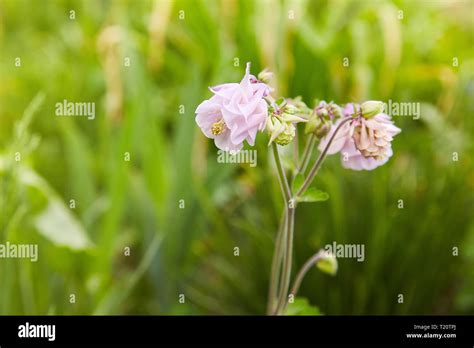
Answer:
(327, 263)
(288, 117)
(324, 113)
(280, 132)
(272, 124)
(318, 126)
(371, 108)
(285, 137)
(298, 107)
(265, 76)
(313, 124)
(290, 109)
(335, 110)
(323, 129)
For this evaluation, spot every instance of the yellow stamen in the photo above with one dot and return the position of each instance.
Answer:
(218, 127)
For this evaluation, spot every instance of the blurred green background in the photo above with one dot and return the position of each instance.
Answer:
(147, 65)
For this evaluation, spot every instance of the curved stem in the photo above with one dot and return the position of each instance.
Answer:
(320, 159)
(286, 275)
(302, 272)
(276, 263)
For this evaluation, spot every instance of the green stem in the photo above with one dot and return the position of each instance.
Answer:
(308, 150)
(319, 161)
(302, 272)
(287, 232)
(290, 219)
(276, 265)
(286, 275)
(296, 147)
(285, 187)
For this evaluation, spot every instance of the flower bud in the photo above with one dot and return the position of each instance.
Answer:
(298, 107)
(334, 110)
(323, 129)
(318, 126)
(313, 124)
(323, 113)
(289, 117)
(285, 137)
(280, 132)
(290, 109)
(265, 76)
(371, 108)
(327, 263)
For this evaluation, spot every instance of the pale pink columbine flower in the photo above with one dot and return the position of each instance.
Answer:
(234, 113)
(364, 143)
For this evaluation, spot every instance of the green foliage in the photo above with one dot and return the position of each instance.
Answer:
(136, 203)
(301, 306)
(313, 195)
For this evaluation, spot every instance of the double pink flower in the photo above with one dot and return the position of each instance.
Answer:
(236, 112)
(364, 144)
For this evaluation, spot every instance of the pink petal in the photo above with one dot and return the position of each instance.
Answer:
(223, 142)
(225, 90)
(339, 141)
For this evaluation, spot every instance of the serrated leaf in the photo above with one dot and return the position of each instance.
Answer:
(297, 182)
(313, 195)
(301, 306)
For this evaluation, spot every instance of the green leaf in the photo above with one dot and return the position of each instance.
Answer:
(58, 225)
(297, 182)
(301, 306)
(280, 101)
(54, 220)
(313, 195)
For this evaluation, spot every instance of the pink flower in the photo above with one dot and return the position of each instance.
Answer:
(364, 144)
(234, 113)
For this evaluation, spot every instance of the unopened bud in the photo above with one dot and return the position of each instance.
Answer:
(285, 137)
(280, 132)
(323, 129)
(265, 76)
(327, 263)
(290, 109)
(371, 108)
(318, 126)
(334, 111)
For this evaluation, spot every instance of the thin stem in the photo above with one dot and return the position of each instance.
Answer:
(285, 188)
(286, 191)
(319, 161)
(308, 150)
(302, 272)
(295, 147)
(286, 275)
(276, 265)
